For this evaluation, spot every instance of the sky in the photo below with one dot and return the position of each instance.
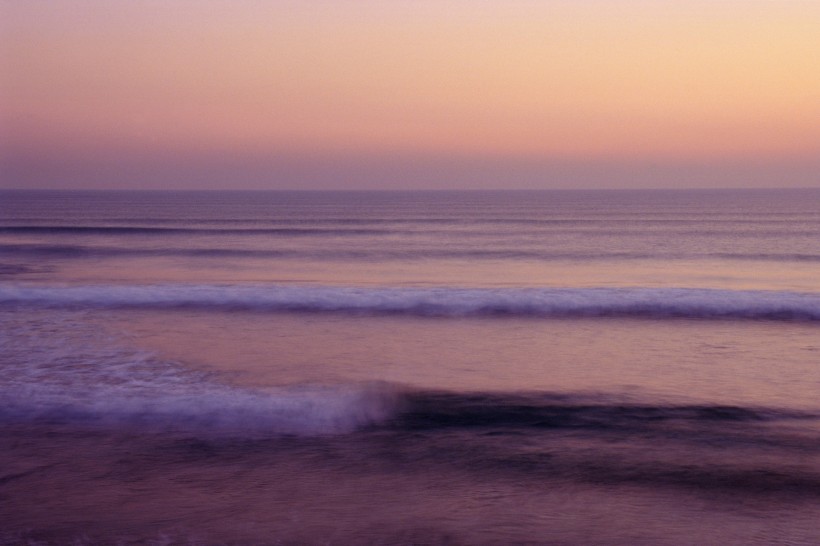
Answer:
(409, 94)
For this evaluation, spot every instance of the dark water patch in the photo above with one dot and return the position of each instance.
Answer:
(767, 257)
(86, 251)
(17, 269)
(433, 411)
(611, 469)
(67, 251)
(380, 254)
(9, 477)
(144, 230)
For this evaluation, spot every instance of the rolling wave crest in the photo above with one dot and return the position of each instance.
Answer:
(692, 303)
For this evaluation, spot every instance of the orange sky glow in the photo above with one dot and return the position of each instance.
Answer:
(409, 94)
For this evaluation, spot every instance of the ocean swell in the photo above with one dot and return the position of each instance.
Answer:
(694, 303)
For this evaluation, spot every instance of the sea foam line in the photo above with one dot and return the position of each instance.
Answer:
(304, 410)
(445, 302)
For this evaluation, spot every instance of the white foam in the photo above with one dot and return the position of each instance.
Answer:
(546, 302)
(62, 369)
(298, 410)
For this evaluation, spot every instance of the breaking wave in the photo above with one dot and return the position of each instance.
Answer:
(694, 303)
(210, 409)
(74, 251)
(85, 377)
(139, 391)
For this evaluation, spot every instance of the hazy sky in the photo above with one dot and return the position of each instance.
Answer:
(399, 94)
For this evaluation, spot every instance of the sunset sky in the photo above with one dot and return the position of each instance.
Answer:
(406, 94)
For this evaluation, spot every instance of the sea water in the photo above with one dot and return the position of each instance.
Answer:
(622, 367)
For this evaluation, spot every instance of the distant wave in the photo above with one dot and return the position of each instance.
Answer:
(465, 229)
(82, 251)
(694, 303)
(608, 219)
(765, 257)
(88, 251)
(146, 230)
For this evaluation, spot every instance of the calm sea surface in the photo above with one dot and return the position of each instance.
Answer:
(628, 367)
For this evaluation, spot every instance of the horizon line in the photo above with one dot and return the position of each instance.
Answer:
(400, 190)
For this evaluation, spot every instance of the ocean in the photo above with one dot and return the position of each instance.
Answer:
(557, 367)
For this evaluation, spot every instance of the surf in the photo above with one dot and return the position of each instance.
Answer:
(654, 303)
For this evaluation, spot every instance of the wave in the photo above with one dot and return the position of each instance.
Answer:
(97, 251)
(605, 220)
(17, 269)
(599, 440)
(77, 375)
(444, 410)
(203, 408)
(85, 251)
(764, 256)
(145, 230)
(656, 303)
(178, 399)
